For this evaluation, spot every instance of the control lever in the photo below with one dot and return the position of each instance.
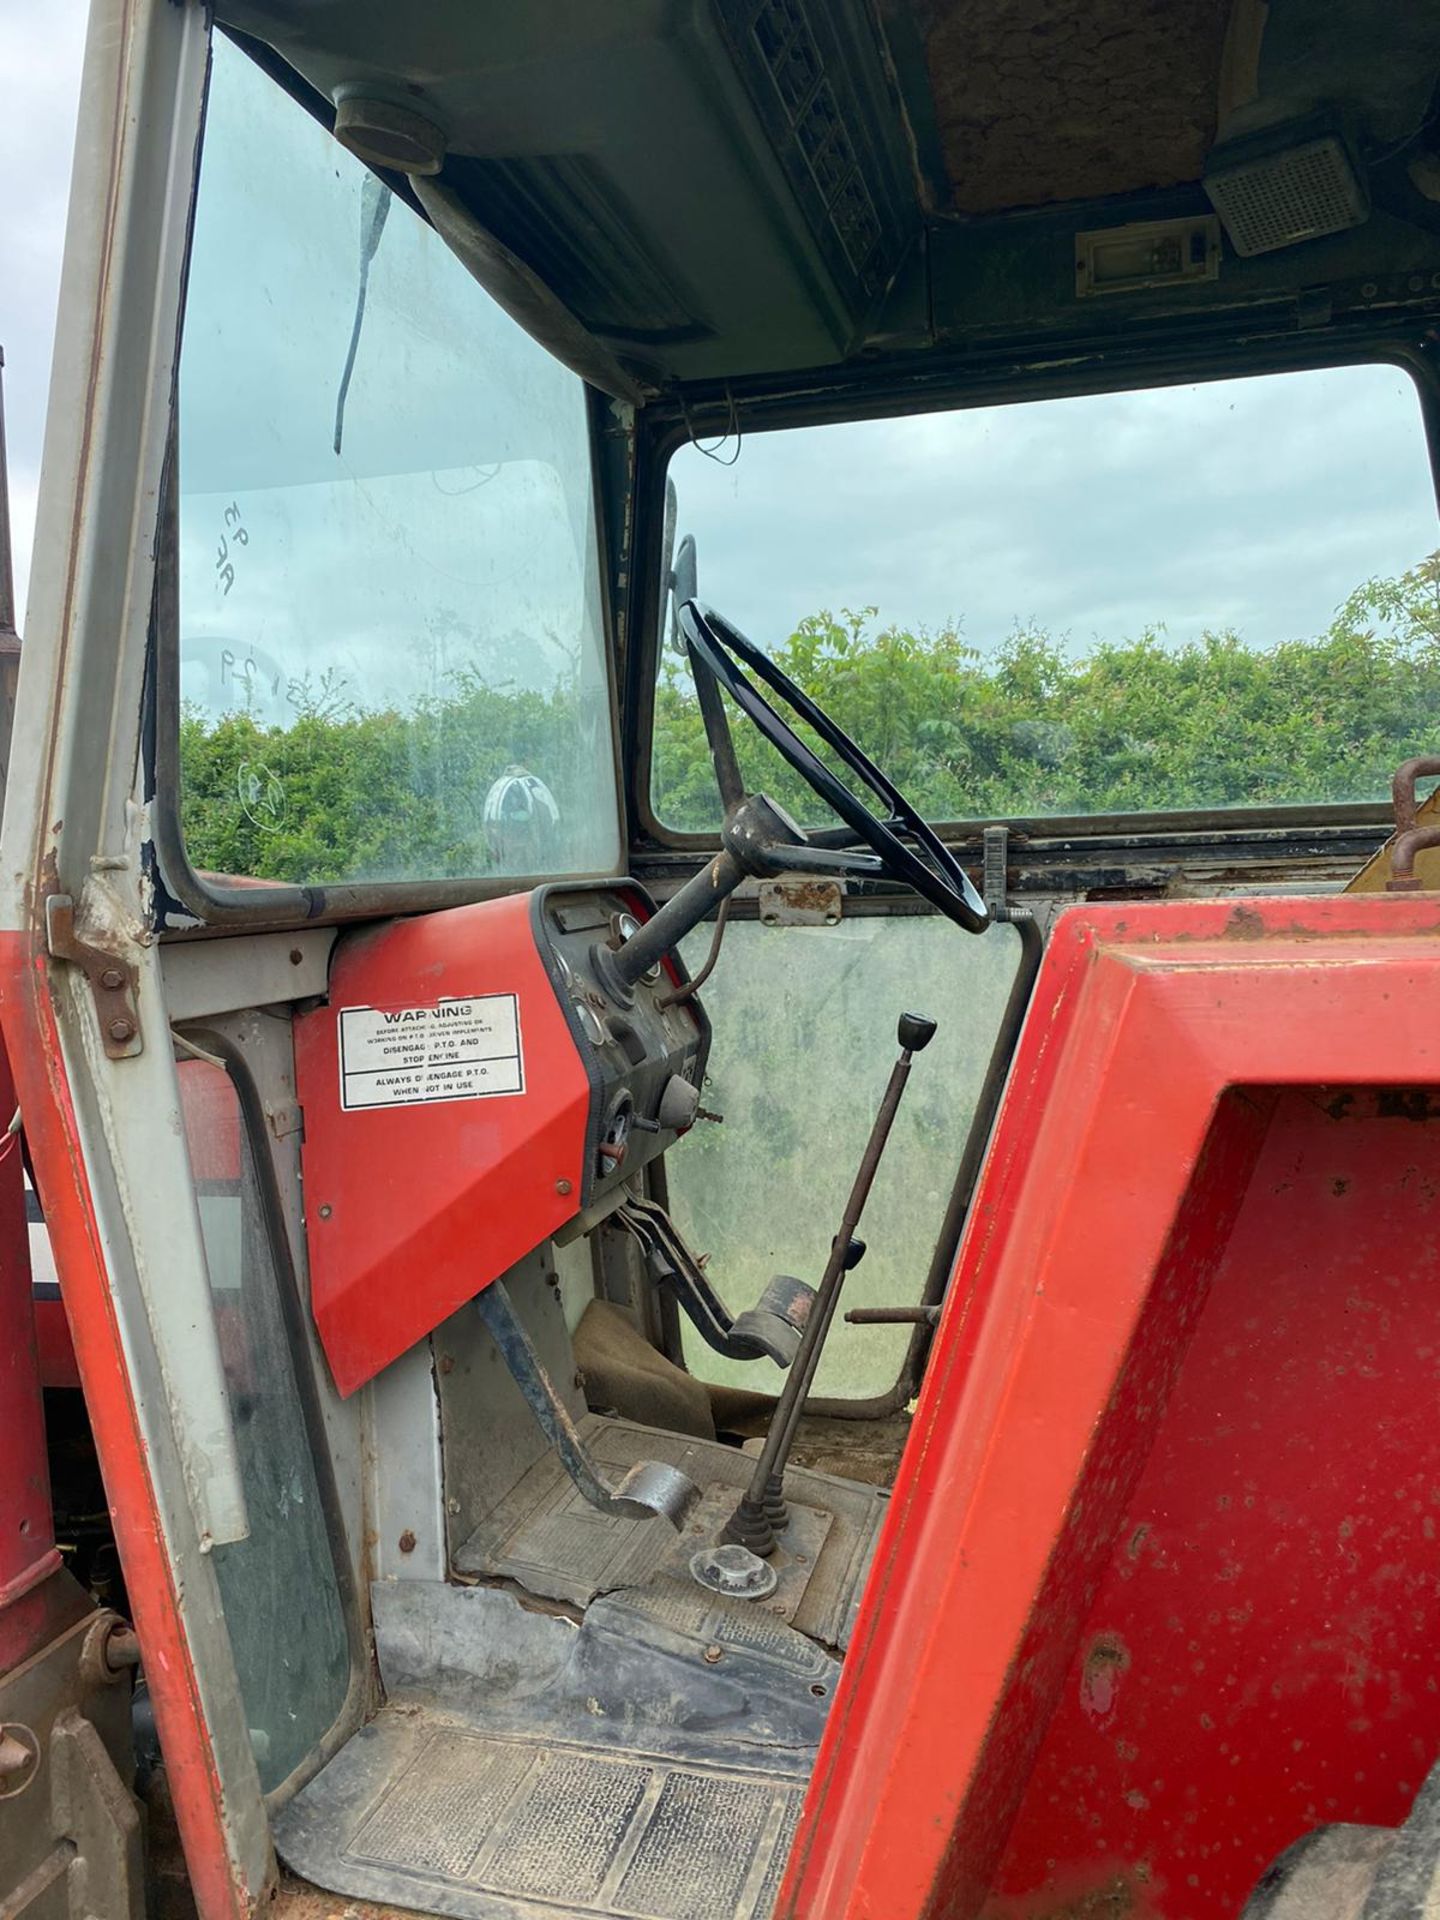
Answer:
(772, 1327)
(648, 1491)
(762, 1510)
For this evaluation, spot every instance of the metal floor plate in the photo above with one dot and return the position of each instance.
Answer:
(545, 1537)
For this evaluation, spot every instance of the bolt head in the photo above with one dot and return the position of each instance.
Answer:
(121, 1029)
(112, 979)
(407, 1541)
(563, 1187)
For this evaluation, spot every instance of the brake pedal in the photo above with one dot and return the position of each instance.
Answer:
(776, 1321)
(770, 1329)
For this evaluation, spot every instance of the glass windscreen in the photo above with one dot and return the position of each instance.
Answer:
(1195, 597)
(804, 1023)
(391, 647)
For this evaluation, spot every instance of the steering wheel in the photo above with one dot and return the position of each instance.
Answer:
(902, 842)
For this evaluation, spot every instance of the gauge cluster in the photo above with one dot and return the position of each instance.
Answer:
(644, 1048)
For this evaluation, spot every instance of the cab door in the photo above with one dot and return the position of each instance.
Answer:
(317, 636)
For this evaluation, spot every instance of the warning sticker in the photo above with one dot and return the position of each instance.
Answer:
(453, 1050)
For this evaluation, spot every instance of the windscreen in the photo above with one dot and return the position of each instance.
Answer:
(1195, 597)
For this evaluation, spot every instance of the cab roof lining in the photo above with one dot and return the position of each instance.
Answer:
(1047, 100)
(715, 193)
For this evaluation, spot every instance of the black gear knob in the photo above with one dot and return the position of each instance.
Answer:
(915, 1032)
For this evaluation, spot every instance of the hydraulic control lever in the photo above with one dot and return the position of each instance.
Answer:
(772, 1327)
(762, 1512)
(648, 1491)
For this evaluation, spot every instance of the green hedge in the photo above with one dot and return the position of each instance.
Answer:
(1025, 727)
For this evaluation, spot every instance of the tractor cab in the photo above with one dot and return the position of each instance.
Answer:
(722, 1017)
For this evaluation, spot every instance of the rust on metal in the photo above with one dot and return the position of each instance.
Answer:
(801, 902)
(112, 979)
(1410, 837)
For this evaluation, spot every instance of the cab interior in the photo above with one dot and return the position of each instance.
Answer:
(574, 1019)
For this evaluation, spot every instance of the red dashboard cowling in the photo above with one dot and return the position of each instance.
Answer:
(446, 1106)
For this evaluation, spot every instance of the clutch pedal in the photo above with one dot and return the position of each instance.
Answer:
(650, 1490)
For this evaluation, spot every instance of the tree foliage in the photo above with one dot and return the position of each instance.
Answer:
(1028, 727)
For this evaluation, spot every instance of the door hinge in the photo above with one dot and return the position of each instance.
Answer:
(112, 978)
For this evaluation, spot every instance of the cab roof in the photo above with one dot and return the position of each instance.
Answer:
(688, 196)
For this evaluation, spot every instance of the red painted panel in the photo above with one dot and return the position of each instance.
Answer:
(33, 1043)
(27, 1534)
(1259, 1657)
(1019, 1722)
(56, 1349)
(411, 1209)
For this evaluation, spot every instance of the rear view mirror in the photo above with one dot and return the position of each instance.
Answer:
(679, 574)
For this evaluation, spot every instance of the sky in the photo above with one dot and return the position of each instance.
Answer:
(39, 87)
(1256, 505)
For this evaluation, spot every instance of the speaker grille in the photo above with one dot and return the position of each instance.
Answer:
(1287, 195)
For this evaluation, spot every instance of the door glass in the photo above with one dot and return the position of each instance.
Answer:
(804, 1023)
(1207, 596)
(279, 1589)
(391, 649)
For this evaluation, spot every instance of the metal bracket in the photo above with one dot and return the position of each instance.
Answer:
(807, 902)
(995, 876)
(112, 979)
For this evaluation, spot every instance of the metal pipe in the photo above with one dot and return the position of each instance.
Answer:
(1410, 837)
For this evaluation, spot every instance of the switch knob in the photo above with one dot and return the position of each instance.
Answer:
(678, 1104)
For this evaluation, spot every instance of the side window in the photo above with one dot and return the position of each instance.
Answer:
(279, 1588)
(804, 1040)
(391, 650)
(1192, 598)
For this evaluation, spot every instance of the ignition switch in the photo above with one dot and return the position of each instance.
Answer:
(615, 1135)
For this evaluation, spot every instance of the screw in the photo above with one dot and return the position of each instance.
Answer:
(122, 1029)
(407, 1541)
(452, 1506)
(326, 1211)
(112, 978)
(563, 1186)
(712, 1656)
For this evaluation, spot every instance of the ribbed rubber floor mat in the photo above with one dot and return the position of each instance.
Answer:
(425, 1812)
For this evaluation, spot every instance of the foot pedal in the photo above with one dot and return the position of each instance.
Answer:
(770, 1329)
(650, 1490)
(776, 1321)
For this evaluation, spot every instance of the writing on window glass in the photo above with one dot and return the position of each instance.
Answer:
(236, 534)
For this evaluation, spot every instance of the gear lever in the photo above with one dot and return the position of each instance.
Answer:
(762, 1506)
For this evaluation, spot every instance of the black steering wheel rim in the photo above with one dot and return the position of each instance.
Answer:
(720, 649)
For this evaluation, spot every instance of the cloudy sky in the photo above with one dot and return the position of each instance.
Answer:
(1258, 505)
(39, 82)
